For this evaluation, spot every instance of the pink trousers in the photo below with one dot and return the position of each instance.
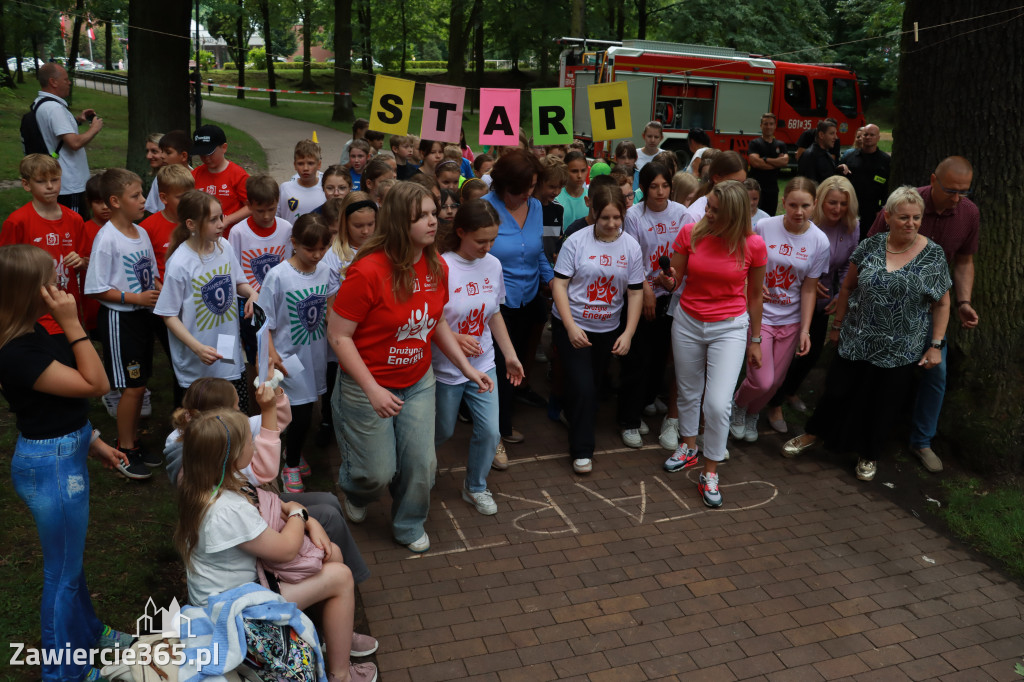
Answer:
(778, 347)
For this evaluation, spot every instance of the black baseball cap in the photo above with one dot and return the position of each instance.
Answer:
(207, 139)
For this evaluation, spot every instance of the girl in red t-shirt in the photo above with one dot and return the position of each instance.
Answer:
(386, 314)
(723, 263)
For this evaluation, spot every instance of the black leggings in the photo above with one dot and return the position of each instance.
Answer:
(295, 436)
(520, 323)
(326, 414)
(584, 372)
(643, 368)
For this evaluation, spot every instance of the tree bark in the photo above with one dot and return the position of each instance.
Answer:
(241, 49)
(405, 43)
(579, 18)
(365, 27)
(983, 415)
(108, 45)
(157, 74)
(641, 19)
(457, 38)
(268, 46)
(6, 79)
(307, 46)
(478, 50)
(343, 60)
(76, 39)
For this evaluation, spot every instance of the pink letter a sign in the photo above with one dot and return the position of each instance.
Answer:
(499, 116)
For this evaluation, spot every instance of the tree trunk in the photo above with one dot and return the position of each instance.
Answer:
(620, 19)
(108, 45)
(267, 44)
(6, 80)
(405, 43)
(983, 416)
(478, 49)
(76, 39)
(579, 18)
(641, 19)
(157, 74)
(241, 49)
(307, 46)
(365, 26)
(343, 60)
(457, 36)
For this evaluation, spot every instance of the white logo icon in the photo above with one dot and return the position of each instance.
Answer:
(419, 326)
(166, 622)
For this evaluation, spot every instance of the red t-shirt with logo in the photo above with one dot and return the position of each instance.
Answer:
(58, 238)
(159, 230)
(392, 337)
(228, 186)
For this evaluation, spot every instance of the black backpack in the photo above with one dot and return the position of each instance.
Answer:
(32, 136)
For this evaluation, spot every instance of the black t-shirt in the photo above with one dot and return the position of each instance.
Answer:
(39, 415)
(816, 164)
(766, 150)
(407, 171)
(869, 174)
(806, 141)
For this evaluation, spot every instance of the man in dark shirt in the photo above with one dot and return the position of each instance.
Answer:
(869, 174)
(766, 156)
(817, 163)
(951, 220)
(806, 140)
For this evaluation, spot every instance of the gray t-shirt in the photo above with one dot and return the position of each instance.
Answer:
(55, 119)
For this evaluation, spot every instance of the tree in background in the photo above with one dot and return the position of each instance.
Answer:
(106, 12)
(232, 21)
(961, 85)
(311, 13)
(268, 46)
(342, 110)
(158, 33)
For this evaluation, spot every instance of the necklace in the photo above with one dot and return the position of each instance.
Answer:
(914, 241)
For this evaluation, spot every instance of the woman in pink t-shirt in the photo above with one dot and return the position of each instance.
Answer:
(798, 255)
(723, 263)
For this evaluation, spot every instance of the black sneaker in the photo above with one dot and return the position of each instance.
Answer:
(136, 468)
(150, 458)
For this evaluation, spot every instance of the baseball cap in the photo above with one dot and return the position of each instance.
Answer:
(600, 168)
(207, 139)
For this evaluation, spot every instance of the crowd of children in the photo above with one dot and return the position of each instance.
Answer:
(384, 305)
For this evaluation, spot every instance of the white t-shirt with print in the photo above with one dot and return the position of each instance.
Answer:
(791, 259)
(296, 200)
(201, 291)
(643, 158)
(599, 274)
(655, 232)
(257, 254)
(121, 263)
(217, 562)
(476, 289)
(336, 265)
(695, 211)
(296, 307)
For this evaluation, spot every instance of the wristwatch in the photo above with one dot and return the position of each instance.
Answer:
(755, 339)
(300, 512)
(938, 343)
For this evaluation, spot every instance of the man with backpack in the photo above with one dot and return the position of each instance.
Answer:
(57, 129)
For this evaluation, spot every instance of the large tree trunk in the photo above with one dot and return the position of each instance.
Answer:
(343, 60)
(405, 43)
(157, 74)
(307, 46)
(365, 27)
(579, 18)
(241, 49)
(6, 79)
(457, 39)
(108, 45)
(268, 46)
(641, 19)
(983, 415)
(478, 51)
(76, 39)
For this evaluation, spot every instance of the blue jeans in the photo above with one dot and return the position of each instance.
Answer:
(50, 476)
(396, 453)
(484, 408)
(928, 403)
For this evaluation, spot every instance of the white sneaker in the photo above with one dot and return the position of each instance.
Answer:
(669, 437)
(147, 406)
(644, 428)
(583, 465)
(483, 501)
(738, 422)
(660, 406)
(650, 410)
(110, 401)
(632, 439)
(353, 513)
(420, 546)
(750, 427)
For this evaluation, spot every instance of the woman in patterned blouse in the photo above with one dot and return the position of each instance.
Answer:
(897, 285)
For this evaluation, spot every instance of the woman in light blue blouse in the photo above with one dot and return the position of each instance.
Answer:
(896, 288)
(524, 267)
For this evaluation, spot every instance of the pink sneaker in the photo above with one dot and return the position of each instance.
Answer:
(362, 645)
(359, 672)
(291, 480)
(304, 469)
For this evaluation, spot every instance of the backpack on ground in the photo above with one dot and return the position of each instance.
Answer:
(31, 134)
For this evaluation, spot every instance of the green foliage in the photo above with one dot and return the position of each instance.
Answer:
(206, 60)
(258, 58)
(297, 66)
(427, 64)
(991, 520)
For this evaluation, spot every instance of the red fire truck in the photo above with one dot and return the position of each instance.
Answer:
(721, 90)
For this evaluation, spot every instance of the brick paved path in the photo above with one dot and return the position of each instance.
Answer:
(804, 574)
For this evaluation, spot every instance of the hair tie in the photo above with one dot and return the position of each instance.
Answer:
(360, 205)
(445, 162)
(227, 454)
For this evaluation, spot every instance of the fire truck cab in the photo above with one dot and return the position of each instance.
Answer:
(721, 90)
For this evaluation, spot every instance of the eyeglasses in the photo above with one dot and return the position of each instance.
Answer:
(953, 192)
(453, 207)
